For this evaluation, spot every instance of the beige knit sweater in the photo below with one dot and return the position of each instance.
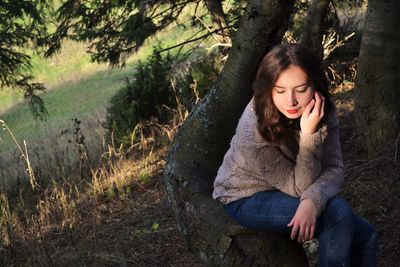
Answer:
(301, 165)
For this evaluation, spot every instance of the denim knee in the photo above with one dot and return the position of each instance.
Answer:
(338, 209)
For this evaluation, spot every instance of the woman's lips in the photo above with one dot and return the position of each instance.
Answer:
(292, 111)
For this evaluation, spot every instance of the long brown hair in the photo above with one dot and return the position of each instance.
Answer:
(271, 123)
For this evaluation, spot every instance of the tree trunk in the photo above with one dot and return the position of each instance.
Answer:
(312, 29)
(377, 84)
(198, 149)
(219, 20)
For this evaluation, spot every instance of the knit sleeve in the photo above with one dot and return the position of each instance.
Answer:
(331, 179)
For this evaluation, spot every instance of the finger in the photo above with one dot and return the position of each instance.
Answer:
(312, 230)
(308, 108)
(301, 236)
(322, 97)
(318, 100)
(306, 233)
(322, 106)
(294, 231)
(291, 223)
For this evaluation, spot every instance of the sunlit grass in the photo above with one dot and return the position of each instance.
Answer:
(8, 98)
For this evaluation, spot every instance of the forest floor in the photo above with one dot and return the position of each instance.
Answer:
(136, 227)
(372, 185)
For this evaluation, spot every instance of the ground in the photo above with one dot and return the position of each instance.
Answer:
(139, 231)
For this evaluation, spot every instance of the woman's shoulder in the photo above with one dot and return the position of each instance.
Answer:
(247, 122)
(249, 112)
(247, 129)
(248, 118)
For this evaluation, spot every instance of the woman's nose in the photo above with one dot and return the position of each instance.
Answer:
(292, 101)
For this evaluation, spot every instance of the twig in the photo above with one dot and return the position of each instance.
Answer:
(180, 49)
(193, 40)
(29, 169)
(218, 45)
(328, 44)
(206, 26)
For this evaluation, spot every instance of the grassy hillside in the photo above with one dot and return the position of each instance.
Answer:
(77, 88)
(79, 98)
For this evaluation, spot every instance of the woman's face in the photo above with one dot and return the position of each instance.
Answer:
(291, 92)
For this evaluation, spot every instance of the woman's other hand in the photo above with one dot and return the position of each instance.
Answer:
(304, 221)
(310, 118)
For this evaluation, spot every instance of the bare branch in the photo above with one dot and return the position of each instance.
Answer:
(192, 40)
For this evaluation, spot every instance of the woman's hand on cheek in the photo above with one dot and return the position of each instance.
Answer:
(304, 221)
(312, 114)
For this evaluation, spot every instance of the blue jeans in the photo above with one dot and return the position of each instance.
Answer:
(345, 239)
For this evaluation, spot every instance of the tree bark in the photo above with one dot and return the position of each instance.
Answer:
(198, 149)
(312, 29)
(219, 20)
(377, 84)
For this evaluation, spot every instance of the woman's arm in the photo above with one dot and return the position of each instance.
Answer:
(331, 179)
(314, 198)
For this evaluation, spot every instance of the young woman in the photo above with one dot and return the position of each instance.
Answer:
(284, 167)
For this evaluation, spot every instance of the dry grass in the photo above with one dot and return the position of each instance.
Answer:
(116, 215)
(56, 155)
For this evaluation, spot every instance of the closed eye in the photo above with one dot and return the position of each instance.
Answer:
(302, 89)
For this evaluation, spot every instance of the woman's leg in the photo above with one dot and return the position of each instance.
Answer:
(269, 211)
(335, 229)
(364, 243)
(345, 239)
(342, 234)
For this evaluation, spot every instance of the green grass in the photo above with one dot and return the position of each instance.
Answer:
(71, 60)
(75, 99)
(8, 98)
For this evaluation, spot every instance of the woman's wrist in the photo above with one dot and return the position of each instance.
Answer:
(309, 131)
(310, 140)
